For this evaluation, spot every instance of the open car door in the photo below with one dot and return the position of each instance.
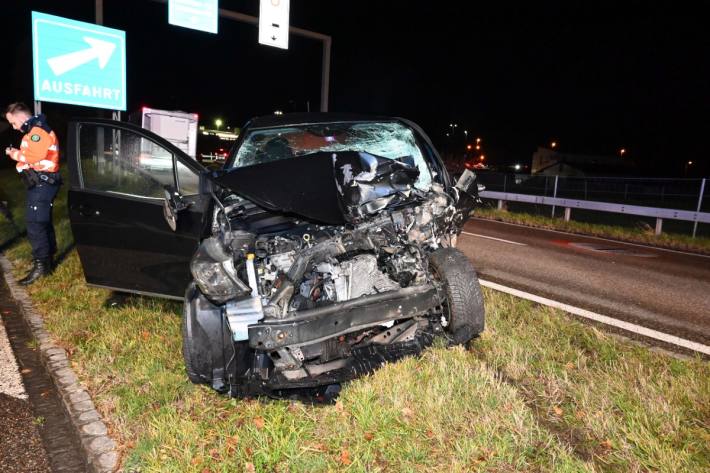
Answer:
(118, 176)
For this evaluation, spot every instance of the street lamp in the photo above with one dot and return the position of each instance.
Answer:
(218, 123)
(689, 163)
(622, 152)
(553, 145)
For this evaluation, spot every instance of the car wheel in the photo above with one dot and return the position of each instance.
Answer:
(463, 315)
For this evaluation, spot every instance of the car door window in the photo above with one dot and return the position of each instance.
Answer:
(121, 161)
(188, 180)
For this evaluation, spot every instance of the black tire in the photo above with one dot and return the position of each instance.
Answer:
(464, 311)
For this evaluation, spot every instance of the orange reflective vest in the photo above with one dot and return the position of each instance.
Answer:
(39, 150)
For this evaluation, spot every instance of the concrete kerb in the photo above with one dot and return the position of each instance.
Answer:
(98, 448)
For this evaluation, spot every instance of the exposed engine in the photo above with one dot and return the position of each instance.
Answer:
(313, 266)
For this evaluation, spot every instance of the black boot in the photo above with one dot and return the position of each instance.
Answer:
(41, 267)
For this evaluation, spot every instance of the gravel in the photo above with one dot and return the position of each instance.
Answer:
(21, 447)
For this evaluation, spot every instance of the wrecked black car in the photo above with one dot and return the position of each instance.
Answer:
(324, 247)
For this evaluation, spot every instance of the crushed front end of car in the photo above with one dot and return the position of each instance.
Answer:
(322, 266)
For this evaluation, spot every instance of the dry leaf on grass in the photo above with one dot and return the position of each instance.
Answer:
(232, 440)
(259, 422)
(345, 457)
(407, 412)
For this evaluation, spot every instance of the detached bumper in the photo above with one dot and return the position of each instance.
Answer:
(315, 325)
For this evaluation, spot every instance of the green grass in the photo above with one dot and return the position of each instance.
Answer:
(537, 392)
(640, 234)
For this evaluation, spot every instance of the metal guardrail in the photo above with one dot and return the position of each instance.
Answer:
(674, 193)
(568, 204)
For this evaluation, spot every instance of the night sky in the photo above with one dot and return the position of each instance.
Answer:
(594, 77)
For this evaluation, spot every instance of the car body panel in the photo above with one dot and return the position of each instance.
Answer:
(123, 241)
(303, 186)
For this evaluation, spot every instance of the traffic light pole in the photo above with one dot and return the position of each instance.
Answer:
(325, 39)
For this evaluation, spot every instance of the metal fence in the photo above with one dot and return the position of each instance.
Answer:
(682, 194)
(655, 194)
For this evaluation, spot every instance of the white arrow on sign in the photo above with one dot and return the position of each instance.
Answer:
(99, 49)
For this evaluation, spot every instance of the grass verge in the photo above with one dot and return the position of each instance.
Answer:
(640, 234)
(537, 392)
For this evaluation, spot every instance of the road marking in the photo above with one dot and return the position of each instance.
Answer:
(494, 238)
(638, 329)
(581, 235)
(596, 247)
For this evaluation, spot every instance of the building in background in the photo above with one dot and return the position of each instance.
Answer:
(549, 162)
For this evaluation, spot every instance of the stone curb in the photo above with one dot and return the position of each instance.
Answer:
(98, 448)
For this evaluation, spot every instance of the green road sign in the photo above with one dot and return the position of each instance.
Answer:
(196, 14)
(78, 63)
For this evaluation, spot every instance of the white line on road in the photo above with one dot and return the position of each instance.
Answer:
(494, 238)
(647, 332)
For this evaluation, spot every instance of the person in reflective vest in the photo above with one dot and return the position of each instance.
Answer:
(38, 166)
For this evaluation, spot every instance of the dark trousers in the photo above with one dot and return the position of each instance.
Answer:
(40, 231)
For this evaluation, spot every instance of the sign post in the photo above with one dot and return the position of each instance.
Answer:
(78, 63)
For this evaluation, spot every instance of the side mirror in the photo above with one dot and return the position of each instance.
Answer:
(468, 190)
(467, 183)
(172, 205)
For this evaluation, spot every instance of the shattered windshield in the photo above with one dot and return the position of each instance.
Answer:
(385, 139)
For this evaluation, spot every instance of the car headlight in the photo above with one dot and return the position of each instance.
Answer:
(213, 270)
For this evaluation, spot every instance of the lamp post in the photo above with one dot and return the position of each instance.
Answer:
(687, 165)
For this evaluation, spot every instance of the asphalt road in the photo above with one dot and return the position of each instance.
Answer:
(662, 290)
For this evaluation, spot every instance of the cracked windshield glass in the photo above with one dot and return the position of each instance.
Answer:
(388, 140)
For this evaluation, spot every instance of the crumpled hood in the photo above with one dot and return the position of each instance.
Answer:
(332, 188)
